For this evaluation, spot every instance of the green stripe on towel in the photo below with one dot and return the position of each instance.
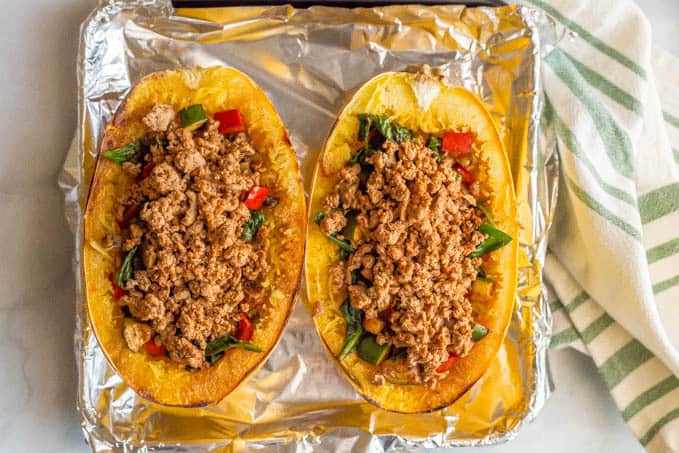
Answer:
(591, 39)
(605, 86)
(573, 145)
(566, 336)
(602, 210)
(666, 284)
(576, 302)
(658, 203)
(649, 396)
(555, 306)
(617, 143)
(596, 327)
(663, 250)
(671, 119)
(623, 362)
(660, 424)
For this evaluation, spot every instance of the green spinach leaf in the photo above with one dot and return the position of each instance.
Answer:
(434, 144)
(354, 318)
(253, 224)
(216, 348)
(342, 244)
(388, 130)
(364, 125)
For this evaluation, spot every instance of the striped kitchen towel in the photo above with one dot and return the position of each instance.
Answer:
(612, 105)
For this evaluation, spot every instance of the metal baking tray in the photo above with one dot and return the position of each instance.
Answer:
(309, 58)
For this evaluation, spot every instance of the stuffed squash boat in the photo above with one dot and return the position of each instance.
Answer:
(411, 262)
(194, 235)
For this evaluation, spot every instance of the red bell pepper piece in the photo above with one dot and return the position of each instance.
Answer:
(466, 175)
(256, 197)
(146, 171)
(457, 142)
(154, 349)
(245, 329)
(118, 292)
(448, 364)
(129, 213)
(230, 121)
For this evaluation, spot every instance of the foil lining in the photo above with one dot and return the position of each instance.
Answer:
(309, 61)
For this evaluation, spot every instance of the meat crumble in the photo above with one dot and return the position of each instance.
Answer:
(194, 238)
(409, 215)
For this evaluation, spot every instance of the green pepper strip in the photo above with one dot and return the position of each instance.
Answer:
(192, 117)
(487, 214)
(371, 351)
(125, 271)
(479, 332)
(123, 153)
(496, 239)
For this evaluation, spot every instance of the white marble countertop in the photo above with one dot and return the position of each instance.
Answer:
(38, 375)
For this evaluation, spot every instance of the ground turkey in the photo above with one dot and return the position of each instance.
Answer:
(193, 275)
(409, 274)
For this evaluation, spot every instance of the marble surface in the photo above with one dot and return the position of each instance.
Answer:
(38, 375)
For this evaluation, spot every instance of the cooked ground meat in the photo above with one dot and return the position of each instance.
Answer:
(333, 222)
(409, 273)
(136, 334)
(159, 118)
(193, 275)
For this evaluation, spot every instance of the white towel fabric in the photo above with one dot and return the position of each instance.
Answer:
(612, 101)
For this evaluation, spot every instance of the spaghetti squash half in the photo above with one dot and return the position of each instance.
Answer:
(412, 253)
(193, 235)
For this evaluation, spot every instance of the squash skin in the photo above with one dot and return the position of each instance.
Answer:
(392, 94)
(217, 88)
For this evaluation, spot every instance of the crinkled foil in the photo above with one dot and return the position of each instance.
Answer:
(309, 61)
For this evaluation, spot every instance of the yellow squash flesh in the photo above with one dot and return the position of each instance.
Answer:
(451, 108)
(217, 89)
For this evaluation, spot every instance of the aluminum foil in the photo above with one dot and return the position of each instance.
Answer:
(309, 61)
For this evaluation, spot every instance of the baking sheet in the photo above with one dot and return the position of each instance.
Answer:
(309, 61)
